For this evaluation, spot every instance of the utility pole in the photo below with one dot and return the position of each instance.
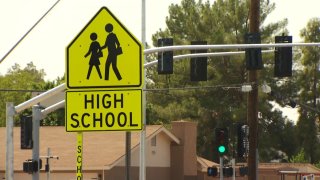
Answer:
(254, 24)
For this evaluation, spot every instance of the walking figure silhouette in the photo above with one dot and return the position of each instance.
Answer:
(96, 53)
(114, 49)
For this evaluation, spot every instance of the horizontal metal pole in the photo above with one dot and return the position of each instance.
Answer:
(225, 46)
(52, 108)
(62, 87)
(33, 101)
(215, 54)
(49, 157)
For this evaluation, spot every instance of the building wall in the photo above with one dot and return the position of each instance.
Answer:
(53, 176)
(177, 162)
(156, 156)
(152, 173)
(184, 155)
(157, 161)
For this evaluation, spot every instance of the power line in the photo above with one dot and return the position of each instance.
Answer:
(25, 35)
(21, 90)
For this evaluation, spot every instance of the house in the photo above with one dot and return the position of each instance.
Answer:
(170, 155)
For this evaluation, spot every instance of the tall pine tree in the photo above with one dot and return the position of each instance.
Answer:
(217, 102)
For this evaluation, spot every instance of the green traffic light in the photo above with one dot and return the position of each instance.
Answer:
(222, 149)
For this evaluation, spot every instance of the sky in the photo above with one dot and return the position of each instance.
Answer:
(46, 45)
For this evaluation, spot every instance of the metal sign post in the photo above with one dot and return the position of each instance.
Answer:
(142, 169)
(9, 128)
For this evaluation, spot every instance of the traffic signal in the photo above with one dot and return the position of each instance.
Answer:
(30, 166)
(253, 55)
(222, 140)
(212, 171)
(227, 171)
(283, 58)
(165, 59)
(243, 170)
(243, 141)
(198, 65)
(26, 132)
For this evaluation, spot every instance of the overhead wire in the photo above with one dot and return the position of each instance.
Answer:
(25, 35)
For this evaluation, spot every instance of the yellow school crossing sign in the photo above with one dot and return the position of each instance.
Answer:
(104, 72)
(104, 55)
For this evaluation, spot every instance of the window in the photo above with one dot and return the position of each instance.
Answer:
(154, 141)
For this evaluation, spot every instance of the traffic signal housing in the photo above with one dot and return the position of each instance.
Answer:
(212, 171)
(222, 141)
(253, 55)
(283, 58)
(26, 132)
(165, 59)
(243, 141)
(30, 166)
(227, 171)
(198, 65)
(243, 170)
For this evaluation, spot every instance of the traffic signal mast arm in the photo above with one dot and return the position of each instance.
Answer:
(215, 54)
(225, 46)
(33, 101)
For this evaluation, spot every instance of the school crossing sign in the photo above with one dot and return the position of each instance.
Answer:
(104, 73)
(104, 55)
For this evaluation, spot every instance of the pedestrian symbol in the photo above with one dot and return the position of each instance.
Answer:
(114, 50)
(96, 53)
(104, 55)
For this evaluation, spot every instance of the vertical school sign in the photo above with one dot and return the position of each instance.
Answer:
(104, 73)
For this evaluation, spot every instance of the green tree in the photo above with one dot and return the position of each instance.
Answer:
(217, 102)
(299, 158)
(308, 92)
(16, 86)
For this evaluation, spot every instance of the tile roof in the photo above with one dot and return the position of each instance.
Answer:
(300, 167)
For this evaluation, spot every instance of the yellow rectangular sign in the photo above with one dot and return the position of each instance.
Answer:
(105, 110)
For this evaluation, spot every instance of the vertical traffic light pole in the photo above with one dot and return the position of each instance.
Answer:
(254, 23)
(221, 167)
(36, 117)
(221, 141)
